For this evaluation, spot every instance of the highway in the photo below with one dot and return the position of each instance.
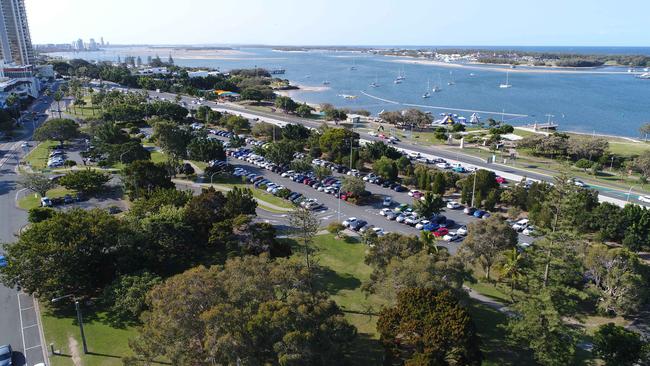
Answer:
(19, 323)
(611, 195)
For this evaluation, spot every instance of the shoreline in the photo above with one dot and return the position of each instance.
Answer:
(505, 68)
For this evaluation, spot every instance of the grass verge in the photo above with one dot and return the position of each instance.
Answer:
(106, 345)
(33, 200)
(38, 157)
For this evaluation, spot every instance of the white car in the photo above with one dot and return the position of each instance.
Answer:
(349, 221)
(420, 225)
(645, 199)
(378, 231)
(529, 231)
(400, 218)
(412, 192)
(450, 237)
(462, 230)
(423, 160)
(443, 165)
(412, 220)
(368, 177)
(384, 211)
(520, 225)
(453, 205)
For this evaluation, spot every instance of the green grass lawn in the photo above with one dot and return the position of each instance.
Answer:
(107, 345)
(345, 273)
(158, 156)
(230, 182)
(624, 148)
(32, 199)
(38, 157)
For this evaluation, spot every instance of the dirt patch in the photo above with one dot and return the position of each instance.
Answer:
(73, 345)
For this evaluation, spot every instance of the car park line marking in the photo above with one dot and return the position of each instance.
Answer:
(22, 333)
(30, 348)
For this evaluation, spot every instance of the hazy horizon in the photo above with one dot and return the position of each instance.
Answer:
(505, 23)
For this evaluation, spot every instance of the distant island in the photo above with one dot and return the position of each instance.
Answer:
(516, 58)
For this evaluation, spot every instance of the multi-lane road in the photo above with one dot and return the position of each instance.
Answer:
(616, 196)
(19, 322)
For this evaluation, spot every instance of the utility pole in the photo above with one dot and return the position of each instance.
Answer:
(474, 188)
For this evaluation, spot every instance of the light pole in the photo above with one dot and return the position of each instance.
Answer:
(79, 318)
(628, 194)
(212, 175)
(474, 188)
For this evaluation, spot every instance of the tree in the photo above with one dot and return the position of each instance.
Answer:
(417, 118)
(37, 182)
(80, 250)
(141, 177)
(587, 148)
(355, 185)
(253, 94)
(205, 149)
(479, 193)
(171, 138)
(86, 181)
(428, 327)
(583, 164)
(305, 225)
(251, 310)
(645, 130)
(333, 114)
(286, 104)
(57, 129)
(264, 129)
(335, 228)
(281, 152)
(511, 268)
(617, 345)
(239, 201)
(540, 327)
(620, 282)
(58, 96)
(304, 110)
(487, 239)
(337, 143)
(430, 205)
(385, 168)
(389, 246)
(642, 164)
(295, 132)
(126, 296)
(236, 124)
(38, 214)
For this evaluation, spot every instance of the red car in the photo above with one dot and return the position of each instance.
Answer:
(501, 180)
(417, 195)
(441, 232)
(381, 136)
(345, 196)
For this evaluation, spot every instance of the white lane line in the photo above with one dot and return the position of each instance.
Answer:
(30, 326)
(28, 308)
(22, 333)
(29, 348)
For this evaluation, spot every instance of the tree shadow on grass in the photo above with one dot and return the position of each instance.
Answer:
(332, 282)
(365, 351)
(494, 345)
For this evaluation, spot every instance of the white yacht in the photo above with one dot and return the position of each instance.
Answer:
(451, 79)
(507, 84)
(426, 94)
(374, 84)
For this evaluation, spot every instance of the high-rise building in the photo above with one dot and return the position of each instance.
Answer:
(15, 41)
(101, 41)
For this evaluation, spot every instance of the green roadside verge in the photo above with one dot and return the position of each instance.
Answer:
(38, 157)
(32, 200)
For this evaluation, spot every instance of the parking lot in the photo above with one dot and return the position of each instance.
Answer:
(334, 209)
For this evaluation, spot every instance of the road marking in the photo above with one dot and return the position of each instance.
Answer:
(32, 347)
(30, 326)
(22, 333)
(28, 308)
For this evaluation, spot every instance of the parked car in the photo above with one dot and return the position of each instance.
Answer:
(453, 205)
(400, 218)
(452, 236)
(6, 355)
(520, 225)
(469, 210)
(384, 211)
(358, 224)
(479, 213)
(412, 192)
(432, 226)
(387, 202)
(349, 221)
(462, 230)
(501, 180)
(441, 232)
(645, 199)
(529, 231)
(421, 224)
(46, 202)
(3, 261)
(443, 165)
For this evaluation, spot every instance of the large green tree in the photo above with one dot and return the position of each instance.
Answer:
(58, 129)
(617, 345)
(37, 182)
(205, 149)
(430, 205)
(86, 181)
(142, 177)
(428, 327)
(486, 240)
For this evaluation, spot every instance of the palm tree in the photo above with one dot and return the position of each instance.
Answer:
(430, 240)
(512, 268)
(432, 204)
(58, 96)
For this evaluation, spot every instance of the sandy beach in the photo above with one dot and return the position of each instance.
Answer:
(505, 68)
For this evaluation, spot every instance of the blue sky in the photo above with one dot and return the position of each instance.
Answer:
(344, 22)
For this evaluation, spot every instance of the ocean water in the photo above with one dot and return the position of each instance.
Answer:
(615, 104)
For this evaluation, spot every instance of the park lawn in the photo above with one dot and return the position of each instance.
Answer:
(106, 344)
(85, 111)
(38, 157)
(345, 273)
(489, 290)
(623, 148)
(158, 156)
(32, 200)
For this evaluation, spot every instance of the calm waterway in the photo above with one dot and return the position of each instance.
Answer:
(615, 104)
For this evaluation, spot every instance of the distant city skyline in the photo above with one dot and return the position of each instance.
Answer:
(338, 22)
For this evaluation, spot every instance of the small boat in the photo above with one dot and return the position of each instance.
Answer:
(451, 79)
(471, 74)
(507, 84)
(347, 96)
(354, 65)
(400, 75)
(374, 84)
(426, 94)
(397, 81)
(326, 82)
(644, 76)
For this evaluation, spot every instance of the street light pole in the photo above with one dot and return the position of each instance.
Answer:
(629, 192)
(81, 326)
(474, 189)
(79, 318)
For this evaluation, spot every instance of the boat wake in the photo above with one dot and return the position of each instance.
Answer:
(512, 115)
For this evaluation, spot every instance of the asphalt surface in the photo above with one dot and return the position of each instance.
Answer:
(338, 210)
(19, 324)
(605, 194)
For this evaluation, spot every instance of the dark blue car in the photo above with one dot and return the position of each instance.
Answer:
(479, 213)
